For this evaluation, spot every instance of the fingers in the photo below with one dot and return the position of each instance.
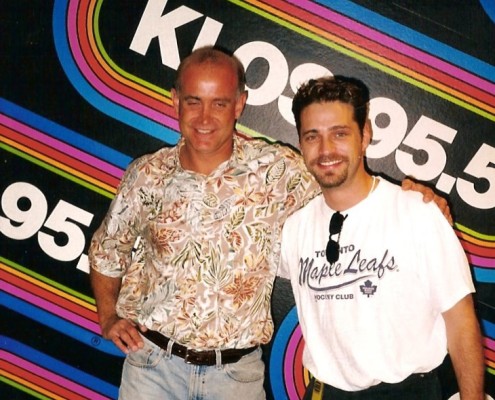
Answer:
(443, 205)
(407, 184)
(428, 193)
(125, 335)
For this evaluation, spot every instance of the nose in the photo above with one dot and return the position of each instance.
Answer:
(327, 144)
(205, 113)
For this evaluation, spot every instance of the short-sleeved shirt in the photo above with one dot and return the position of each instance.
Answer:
(198, 254)
(375, 315)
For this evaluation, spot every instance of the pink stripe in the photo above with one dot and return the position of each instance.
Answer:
(289, 360)
(489, 343)
(50, 376)
(102, 87)
(395, 44)
(54, 309)
(482, 261)
(63, 147)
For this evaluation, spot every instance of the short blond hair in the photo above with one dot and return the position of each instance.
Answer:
(213, 55)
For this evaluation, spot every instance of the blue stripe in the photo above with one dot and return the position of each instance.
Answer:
(57, 131)
(489, 7)
(92, 96)
(484, 275)
(278, 353)
(412, 37)
(58, 367)
(59, 324)
(488, 328)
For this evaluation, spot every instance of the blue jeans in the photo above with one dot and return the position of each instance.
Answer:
(416, 387)
(152, 374)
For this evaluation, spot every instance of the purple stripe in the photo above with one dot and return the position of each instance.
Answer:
(101, 87)
(50, 376)
(61, 146)
(54, 309)
(396, 45)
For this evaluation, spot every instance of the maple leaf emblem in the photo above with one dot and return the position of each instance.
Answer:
(368, 288)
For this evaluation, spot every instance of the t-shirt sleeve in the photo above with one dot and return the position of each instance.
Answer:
(446, 269)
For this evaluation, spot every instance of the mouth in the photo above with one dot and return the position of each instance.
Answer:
(204, 131)
(328, 163)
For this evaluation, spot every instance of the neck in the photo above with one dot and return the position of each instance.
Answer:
(345, 196)
(201, 163)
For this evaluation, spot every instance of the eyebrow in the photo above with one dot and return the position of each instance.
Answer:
(222, 99)
(332, 128)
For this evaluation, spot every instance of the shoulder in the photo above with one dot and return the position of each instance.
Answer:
(305, 214)
(161, 159)
(276, 159)
(396, 194)
(256, 147)
(408, 205)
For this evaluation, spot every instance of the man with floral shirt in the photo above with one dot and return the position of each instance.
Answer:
(183, 264)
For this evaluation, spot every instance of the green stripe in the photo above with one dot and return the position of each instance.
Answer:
(465, 229)
(23, 388)
(48, 281)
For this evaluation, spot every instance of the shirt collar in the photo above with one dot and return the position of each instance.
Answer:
(235, 158)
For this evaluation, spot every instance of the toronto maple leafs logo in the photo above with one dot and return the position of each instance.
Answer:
(368, 288)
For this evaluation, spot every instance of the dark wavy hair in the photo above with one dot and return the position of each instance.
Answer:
(333, 88)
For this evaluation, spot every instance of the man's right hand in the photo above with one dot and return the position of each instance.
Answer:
(124, 333)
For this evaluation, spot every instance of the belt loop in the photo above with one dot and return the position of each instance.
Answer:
(318, 388)
(218, 355)
(168, 354)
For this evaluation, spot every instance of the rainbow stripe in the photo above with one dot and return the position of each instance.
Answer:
(47, 378)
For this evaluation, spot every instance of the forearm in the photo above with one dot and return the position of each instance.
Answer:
(106, 292)
(465, 349)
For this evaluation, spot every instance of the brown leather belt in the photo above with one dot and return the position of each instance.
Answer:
(206, 357)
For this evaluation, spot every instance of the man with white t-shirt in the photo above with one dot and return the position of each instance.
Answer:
(381, 283)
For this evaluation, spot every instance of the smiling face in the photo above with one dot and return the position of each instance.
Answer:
(208, 104)
(332, 145)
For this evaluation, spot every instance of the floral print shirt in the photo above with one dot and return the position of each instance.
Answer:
(198, 254)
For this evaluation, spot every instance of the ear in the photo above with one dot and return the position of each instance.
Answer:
(367, 135)
(175, 100)
(240, 104)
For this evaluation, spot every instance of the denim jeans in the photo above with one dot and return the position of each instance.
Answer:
(416, 387)
(152, 374)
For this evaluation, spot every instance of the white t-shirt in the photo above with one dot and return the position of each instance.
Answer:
(374, 315)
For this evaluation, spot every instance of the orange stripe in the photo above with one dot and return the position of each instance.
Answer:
(49, 296)
(59, 156)
(27, 384)
(49, 288)
(373, 56)
(61, 166)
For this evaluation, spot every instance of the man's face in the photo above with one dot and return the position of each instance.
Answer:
(331, 143)
(208, 105)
